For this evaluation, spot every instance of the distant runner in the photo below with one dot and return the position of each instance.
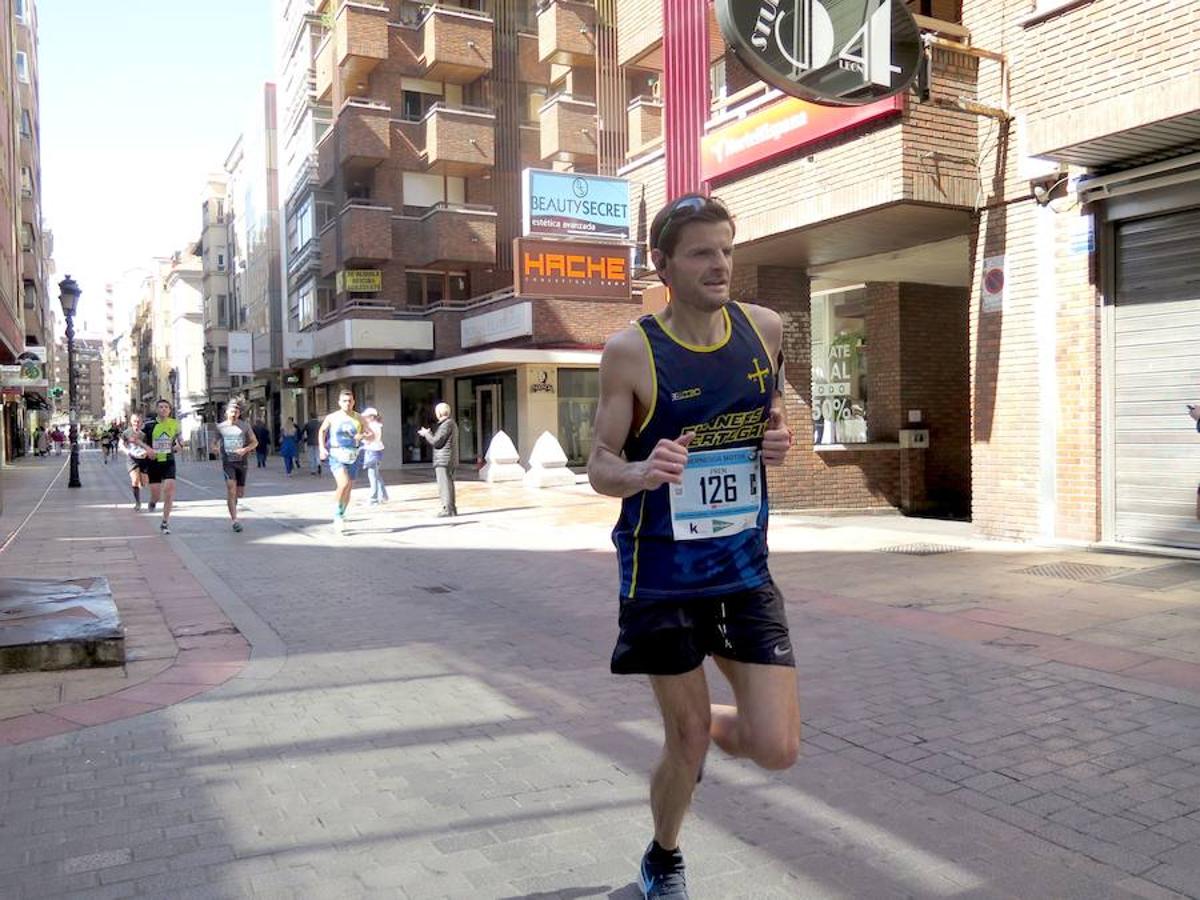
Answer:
(339, 439)
(163, 439)
(139, 464)
(235, 441)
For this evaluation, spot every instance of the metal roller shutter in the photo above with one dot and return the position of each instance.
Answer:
(1157, 373)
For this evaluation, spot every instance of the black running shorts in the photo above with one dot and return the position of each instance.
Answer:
(139, 465)
(161, 471)
(671, 637)
(235, 472)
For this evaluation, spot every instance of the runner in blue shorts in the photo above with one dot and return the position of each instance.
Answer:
(339, 439)
(690, 413)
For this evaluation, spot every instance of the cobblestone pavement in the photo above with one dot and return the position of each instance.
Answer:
(428, 713)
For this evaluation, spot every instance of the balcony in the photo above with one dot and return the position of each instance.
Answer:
(456, 44)
(355, 45)
(568, 129)
(459, 141)
(447, 235)
(567, 32)
(359, 140)
(645, 119)
(361, 234)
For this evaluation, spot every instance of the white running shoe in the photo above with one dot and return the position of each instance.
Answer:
(339, 525)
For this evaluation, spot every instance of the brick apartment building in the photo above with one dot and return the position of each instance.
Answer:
(948, 261)
(26, 316)
(1001, 258)
(435, 112)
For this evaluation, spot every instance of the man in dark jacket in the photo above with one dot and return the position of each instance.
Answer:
(312, 430)
(445, 454)
(264, 442)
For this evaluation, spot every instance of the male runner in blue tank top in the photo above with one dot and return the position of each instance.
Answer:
(690, 412)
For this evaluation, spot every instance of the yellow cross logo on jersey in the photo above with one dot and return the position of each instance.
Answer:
(760, 374)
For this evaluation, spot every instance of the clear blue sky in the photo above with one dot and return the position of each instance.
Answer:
(139, 101)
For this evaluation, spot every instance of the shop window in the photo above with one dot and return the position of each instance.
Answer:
(418, 397)
(578, 394)
(364, 393)
(839, 366)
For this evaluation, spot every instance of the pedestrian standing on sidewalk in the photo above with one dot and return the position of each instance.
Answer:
(139, 464)
(689, 413)
(263, 438)
(445, 453)
(344, 431)
(373, 455)
(161, 438)
(289, 446)
(312, 438)
(235, 441)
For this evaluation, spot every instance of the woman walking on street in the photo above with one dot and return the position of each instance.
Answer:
(373, 458)
(289, 447)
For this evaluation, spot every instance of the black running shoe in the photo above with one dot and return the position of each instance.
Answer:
(662, 875)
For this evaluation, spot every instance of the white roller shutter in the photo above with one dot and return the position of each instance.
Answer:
(1157, 374)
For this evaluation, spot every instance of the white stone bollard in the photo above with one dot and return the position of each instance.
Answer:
(548, 464)
(501, 462)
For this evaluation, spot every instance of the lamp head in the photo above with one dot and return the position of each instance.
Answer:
(68, 295)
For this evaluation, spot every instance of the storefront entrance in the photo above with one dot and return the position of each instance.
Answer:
(485, 404)
(418, 397)
(1156, 348)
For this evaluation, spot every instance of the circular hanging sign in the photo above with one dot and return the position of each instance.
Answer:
(835, 52)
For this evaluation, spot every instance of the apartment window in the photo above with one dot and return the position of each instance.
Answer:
(26, 181)
(222, 363)
(20, 10)
(28, 238)
(221, 262)
(414, 104)
(306, 302)
(839, 366)
(535, 97)
(428, 288)
(23, 66)
(26, 124)
(324, 301)
(222, 310)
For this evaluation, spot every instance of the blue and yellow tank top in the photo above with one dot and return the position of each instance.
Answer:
(723, 393)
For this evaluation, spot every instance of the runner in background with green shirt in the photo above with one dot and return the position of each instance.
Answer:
(162, 437)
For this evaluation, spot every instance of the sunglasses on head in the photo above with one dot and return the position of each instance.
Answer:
(682, 210)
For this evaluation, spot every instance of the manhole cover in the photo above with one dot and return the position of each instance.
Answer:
(921, 549)
(1074, 571)
(1160, 578)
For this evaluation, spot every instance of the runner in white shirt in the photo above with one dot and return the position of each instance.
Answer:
(138, 464)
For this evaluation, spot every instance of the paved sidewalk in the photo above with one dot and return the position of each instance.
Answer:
(179, 642)
(428, 713)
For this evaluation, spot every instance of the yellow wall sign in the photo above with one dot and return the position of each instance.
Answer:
(359, 281)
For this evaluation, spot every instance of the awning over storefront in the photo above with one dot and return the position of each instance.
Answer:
(465, 362)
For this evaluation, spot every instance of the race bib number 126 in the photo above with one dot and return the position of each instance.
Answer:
(721, 494)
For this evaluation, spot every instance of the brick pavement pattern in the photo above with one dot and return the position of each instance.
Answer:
(428, 713)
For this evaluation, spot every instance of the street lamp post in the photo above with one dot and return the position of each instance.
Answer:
(209, 352)
(68, 295)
